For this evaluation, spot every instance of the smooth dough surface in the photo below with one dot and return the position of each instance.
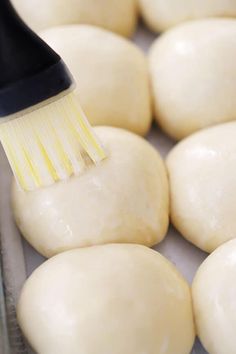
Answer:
(163, 14)
(123, 199)
(111, 75)
(214, 294)
(202, 175)
(194, 77)
(119, 299)
(117, 16)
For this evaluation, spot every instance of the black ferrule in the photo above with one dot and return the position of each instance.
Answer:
(30, 71)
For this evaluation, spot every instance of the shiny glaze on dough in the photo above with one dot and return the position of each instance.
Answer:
(123, 199)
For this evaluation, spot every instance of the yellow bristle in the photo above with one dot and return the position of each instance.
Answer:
(46, 145)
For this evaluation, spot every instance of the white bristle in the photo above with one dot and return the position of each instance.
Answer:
(46, 145)
(70, 144)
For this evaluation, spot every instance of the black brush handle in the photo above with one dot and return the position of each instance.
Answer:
(30, 71)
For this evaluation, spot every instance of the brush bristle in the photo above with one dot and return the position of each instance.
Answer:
(49, 143)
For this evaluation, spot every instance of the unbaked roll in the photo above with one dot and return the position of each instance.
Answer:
(202, 175)
(117, 16)
(193, 76)
(163, 14)
(111, 75)
(125, 198)
(214, 293)
(119, 299)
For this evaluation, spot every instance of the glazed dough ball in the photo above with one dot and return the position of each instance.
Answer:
(117, 16)
(162, 14)
(111, 73)
(194, 77)
(123, 199)
(214, 294)
(202, 174)
(119, 299)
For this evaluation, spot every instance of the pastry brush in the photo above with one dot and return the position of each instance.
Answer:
(43, 129)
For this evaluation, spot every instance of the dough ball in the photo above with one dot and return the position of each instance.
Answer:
(194, 77)
(123, 199)
(119, 299)
(115, 15)
(111, 74)
(162, 14)
(214, 294)
(202, 174)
